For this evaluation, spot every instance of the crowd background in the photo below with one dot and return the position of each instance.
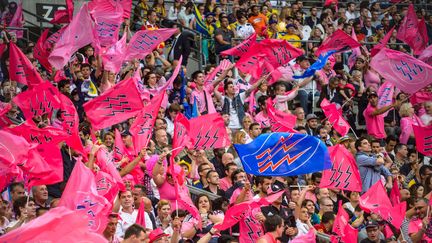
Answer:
(384, 146)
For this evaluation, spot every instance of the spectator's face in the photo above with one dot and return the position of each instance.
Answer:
(354, 197)
(365, 146)
(204, 170)
(304, 214)
(373, 100)
(199, 79)
(368, 22)
(428, 108)
(165, 211)
(323, 133)
(351, 7)
(111, 226)
(348, 29)
(41, 193)
(403, 151)
(264, 186)
(246, 122)
(256, 131)
(241, 177)
(295, 195)
(161, 137)
(300, 113)
(160, 124)
(137, 194)
(390, 146)
(311, 207)
(227, 158)
(230, 170)
(225, 22)
(230, 89)
(89, 52)
(30, 209)
(373, 233)
(314, 12)
(126, 199)
(255, 10)
(313, 123)
(405, 194)
(304, 64)
(85, 72)
(327, 206)
(203, 203)
(153, 17)
(109, 140)
(213, 178)
(127, 140)
(17, 193)
(376, 148)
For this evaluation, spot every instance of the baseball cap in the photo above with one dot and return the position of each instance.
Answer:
(373, 93)
(379, 27)
(156, 234)
(290, 25)
(311, 116)
(371, 224)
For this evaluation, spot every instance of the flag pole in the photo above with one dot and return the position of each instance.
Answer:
(70, 154)
(177, 208)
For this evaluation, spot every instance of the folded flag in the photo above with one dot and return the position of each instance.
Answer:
(279, 120)
(423, 137)
(344, 173)
(404, 71)
(317, 65)
(335, 117)
(241, 48)
(283, 154)
(338, 41)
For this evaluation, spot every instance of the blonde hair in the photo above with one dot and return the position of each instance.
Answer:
(404, 110)
(238, 136)
(162, 203)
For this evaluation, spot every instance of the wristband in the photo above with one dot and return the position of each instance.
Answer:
(211, 233)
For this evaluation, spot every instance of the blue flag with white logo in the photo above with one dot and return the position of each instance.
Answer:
(317, 65)
(284, 154)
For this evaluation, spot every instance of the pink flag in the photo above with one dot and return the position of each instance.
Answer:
(113, 57)
(271, 51)
(34, 134)
(54, 226)
(141, 215)
(426, 55)
(181, 138)
(81, 196)
(108, 16)
(420, 97)
(77, 34)
(40, 53)
(404, 71)
(395, 193)
(383, 42)
(117, 104)
(330, 2)
(208, 132)
(105, 161)
(279, 120)
(17, 21)
(338, 41)
(341, 227)
(241, 48)
(64, 16)
(223, 65)
(126, 6)
(423, 136)
(38, 101)
(307, 238)
(335, 117)
(142, 128)
(376, 200)
(385, 95)
(145, 41)
(344, 173)
(413, 32)
(106, 186)
(21, 69)
(13, 151)
(53, 39)
(71, 123)
(355, 51)
(119, 147)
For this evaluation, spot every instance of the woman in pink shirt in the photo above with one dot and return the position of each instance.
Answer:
(406, 111)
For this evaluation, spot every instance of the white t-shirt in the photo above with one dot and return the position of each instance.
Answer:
(235, 122)
(244, 31)
(128, 219)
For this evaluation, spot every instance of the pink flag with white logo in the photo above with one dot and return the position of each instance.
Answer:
(21, 69)
(344, 173)
(145, 41)
(77, 34)
(413, 32)
(81, 196)
(116, 105)
(404, 71)
(241, 48)
(385, 95)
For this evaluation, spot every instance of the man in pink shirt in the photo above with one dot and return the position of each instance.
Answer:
(374, 116)
(226, 182)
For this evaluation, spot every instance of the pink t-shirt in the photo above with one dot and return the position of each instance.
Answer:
(372, 79)
(262, 119)
(167, 192)
(250, 228)
(374, 124)
(224, 184)
(406, 128)
(201, 99)
(414, 226)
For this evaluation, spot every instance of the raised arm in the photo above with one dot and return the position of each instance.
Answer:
(159, 170)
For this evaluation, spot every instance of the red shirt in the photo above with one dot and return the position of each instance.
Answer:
(268, 237)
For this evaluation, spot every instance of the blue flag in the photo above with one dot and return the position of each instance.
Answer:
(283, 154)
(318, 65)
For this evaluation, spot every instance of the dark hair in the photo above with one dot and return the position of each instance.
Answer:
(21, 202)
(195, 74)
(327, 217)
(254, 124)
(260, 179)
(423, 169)
(201, 166)
(399, 147)
(262, 100)
(85, 65)
(227, 166)
(316, 175)
(226, 239)
(391, 138)
(180, 212)
(62, 83)
(209, 172)
(14, 185)
(141, 187)
(227, 83)
(235, 173)
(359, 141)
(272, 222)
(134, 229)
(200, 196)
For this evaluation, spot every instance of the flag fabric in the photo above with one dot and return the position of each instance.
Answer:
(81, 196)
(338, 41)
(426, 55)
(181, 138)
(34, 134)
(108, 16)
(223, 65)
(344, 173)
(64, 16)
(330, 2)
(240, 211)
(279, 120)
(342, 228)
(145, 41)
(375, 200)
(53, 39)
(70, 119)
(395, 193)
(283, 154)
(105, 161)
(413, 32)
(307, 238)
(406, 72)
(142, 128)
(40, 53)
(385, 95)
(355, 51)
(119, 147)
(13, 151)
(113, 57)
(17, 21)
(54, 226)
(141, 215)
(274, 52)
(4, 109)
(79, 33)
(423, 136)
(200, 25)
(208, 132)
(126, 6)
(382, 43)
(38, 101)
(316, 66)
(335, 117)
(241, 48)
(117, 104)
(420, 97)
(21, 69)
